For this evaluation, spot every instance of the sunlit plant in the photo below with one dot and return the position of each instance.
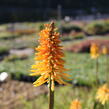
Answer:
(48, 61)
(94, 52)
(76, 104)
(105, 52)
(103, 94)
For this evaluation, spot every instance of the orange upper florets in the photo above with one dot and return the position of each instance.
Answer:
(49, 60)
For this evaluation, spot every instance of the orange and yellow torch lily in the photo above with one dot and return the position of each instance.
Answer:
(103, 94)
(48, 61)
(76, 104)
(105, 52)
(94, 51)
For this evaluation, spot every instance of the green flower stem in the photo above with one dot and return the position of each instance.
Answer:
(107, 69)
(51, 96)
(96, 70)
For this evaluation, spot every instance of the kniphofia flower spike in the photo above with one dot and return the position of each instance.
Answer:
(94, 51)
(103, 94)
(105, 50)
(48, 60)
(76, 104)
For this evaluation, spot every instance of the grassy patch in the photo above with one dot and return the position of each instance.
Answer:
(7, 35)
(20, 42)
(17, 67)
(81, 67)
(63, 97)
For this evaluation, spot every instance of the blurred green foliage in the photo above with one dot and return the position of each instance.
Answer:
(97, 27)
(64, 95)
(67, 28)
(4, 50)
(82, 68)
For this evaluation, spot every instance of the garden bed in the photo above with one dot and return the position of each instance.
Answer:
(12, 93)
(84, 45)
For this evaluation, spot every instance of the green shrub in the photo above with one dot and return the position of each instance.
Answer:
(15, 57)
(79, 36)
(66, 38)
(4, 50)
(67, 28)
(97, 27)
(7, 35)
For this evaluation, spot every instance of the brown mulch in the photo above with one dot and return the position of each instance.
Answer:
(84, 46)
(13, 92)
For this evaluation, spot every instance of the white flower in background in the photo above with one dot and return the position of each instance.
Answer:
(3, 76)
